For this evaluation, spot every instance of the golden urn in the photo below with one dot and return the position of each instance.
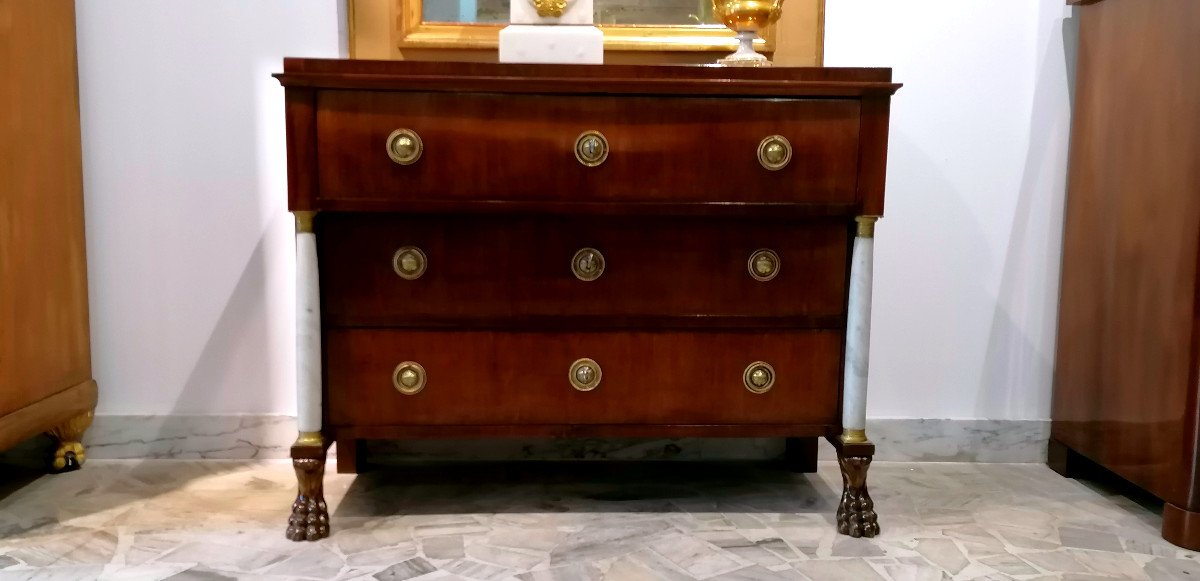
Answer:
(747, 18)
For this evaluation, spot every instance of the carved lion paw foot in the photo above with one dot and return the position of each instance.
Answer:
(309, 520)
(856, 515)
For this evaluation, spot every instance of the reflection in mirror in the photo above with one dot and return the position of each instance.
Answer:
(625, 12)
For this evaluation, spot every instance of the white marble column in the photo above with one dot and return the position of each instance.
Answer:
(308, 332)
(858, 334)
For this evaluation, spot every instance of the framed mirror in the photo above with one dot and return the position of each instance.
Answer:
(607, 12)
(645, 31)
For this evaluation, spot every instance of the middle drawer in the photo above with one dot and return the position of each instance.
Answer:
(506, 270)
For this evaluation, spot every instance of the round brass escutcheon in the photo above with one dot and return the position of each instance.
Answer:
(587, 264)
(409, 262)
(763, 264)
(585, 374)
(404, 146)
(409, 378)
(775, 152)
(759, 377)
(591, 148)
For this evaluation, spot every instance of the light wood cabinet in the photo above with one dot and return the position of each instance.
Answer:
(46, 380)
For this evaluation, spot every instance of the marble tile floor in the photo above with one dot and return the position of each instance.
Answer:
(208, 520)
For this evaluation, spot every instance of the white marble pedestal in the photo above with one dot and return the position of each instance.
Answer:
(554, 44)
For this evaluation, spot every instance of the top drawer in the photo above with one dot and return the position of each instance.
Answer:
(523, 148)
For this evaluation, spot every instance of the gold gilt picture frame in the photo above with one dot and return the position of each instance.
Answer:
(396, 29)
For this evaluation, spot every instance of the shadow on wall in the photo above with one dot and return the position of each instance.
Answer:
(1016, 360)
(234, 358)
(908, 349)
(252, 345)
(216, 335)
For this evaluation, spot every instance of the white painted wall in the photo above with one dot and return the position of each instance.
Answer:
(189, 243)
(190, 248)
(967, 257)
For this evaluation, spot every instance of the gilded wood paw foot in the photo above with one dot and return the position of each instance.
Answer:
(856, 514)
(69, 455)
(310, 515)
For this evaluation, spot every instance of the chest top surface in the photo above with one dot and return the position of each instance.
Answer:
(586, 79)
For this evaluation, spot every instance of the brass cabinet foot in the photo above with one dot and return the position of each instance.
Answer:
(310, 516)
(856, 514)
(69, 454)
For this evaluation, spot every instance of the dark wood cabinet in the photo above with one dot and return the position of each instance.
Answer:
(492, 250)
(1128, 358)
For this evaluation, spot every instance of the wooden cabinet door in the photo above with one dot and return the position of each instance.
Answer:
(44, 344)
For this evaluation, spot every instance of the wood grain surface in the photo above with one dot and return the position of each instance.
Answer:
(1125, 392)
(44, 344)
(510, 147)
(517, 271)
(494, 378)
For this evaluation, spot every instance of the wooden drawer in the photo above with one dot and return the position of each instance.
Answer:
(493, 378)
(513, 271)
(522, 148)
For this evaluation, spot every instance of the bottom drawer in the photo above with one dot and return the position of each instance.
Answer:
(494, 378)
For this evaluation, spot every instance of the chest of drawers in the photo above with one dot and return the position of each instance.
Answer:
(489, 250)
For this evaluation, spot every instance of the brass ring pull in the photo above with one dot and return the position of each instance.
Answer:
(409, 378)
(585, 374)
(775, 152)
(409, 262)
(763, 264)
(591, 148)
(759, 377)
(404, 146)
(587, 264)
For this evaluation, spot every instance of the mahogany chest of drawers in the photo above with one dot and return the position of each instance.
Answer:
(489, 250)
